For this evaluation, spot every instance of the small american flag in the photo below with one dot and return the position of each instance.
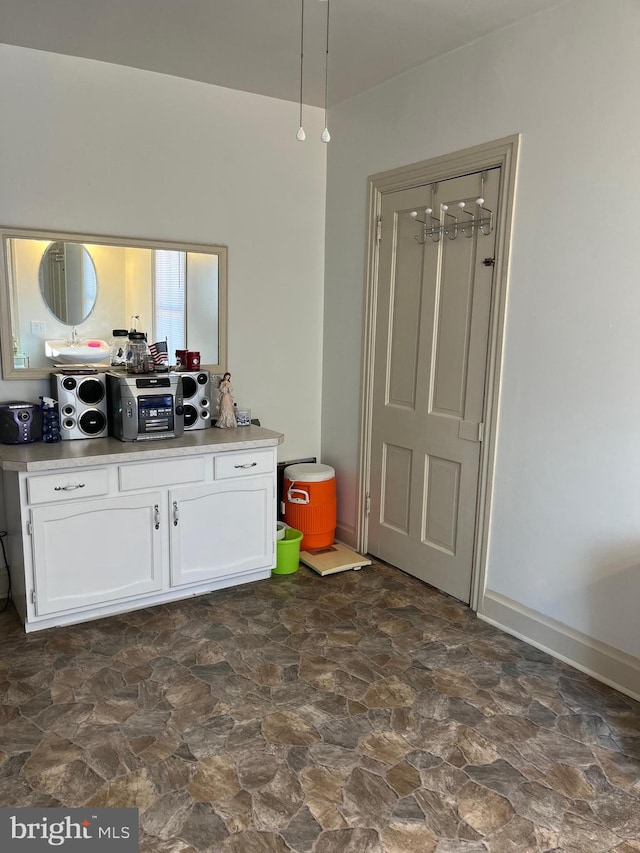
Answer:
(159, 352)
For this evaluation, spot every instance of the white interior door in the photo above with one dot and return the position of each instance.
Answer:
(431, 336)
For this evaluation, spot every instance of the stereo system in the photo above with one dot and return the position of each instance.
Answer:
(196, 391)
(20, 422)
(145, 407)
(82, 404)
(128, 407)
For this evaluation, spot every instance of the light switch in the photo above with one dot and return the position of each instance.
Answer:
(38, 327)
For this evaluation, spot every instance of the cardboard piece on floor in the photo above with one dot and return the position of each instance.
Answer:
(335, 558)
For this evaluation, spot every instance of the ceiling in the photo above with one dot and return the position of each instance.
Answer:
(254, 45)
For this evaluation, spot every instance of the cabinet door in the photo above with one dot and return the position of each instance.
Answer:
(96, 552)
(221, 529)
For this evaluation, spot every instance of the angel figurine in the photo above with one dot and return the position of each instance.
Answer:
(226, 414)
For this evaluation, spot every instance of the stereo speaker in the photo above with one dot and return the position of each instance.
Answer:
(82, 404)
(20, 422)
(196, 393)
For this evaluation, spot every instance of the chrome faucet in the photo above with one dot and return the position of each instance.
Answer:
(74, 337)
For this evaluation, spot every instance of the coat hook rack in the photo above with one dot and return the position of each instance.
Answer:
(480, 218)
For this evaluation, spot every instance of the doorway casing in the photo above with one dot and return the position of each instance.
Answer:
(502, 153)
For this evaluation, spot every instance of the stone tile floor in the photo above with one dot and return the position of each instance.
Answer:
(359, 713)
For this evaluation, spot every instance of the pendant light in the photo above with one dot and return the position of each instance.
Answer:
(326, 136)
(300, 135)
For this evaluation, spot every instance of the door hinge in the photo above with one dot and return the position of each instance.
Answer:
(33, 596)
(29, 528)
(480, 432)
(378, 230)
(367, 504)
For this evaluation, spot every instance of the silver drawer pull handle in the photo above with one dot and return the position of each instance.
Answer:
(246, 465)
(156, 516)
(68, 488)
(176, 514)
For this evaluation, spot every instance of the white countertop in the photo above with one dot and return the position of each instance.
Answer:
(50, 456)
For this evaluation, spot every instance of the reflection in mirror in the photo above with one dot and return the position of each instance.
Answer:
(177, 290)
(68, 282)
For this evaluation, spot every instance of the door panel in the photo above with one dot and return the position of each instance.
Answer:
(432, 321)
(397, 487)
(404, 336)
(441, 502)
(453, 320)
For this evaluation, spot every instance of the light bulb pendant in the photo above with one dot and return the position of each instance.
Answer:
(326, 136)
(301, 135)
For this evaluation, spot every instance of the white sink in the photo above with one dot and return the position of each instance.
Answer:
(90, 351)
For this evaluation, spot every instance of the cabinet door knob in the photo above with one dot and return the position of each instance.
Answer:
(68, 488)
(176, 514)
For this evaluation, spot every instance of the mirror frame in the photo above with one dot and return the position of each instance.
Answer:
(6, 332)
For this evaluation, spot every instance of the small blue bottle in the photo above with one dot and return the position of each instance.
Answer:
(50, 419)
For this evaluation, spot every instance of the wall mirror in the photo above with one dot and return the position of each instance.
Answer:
(59, 287)
(68, 282)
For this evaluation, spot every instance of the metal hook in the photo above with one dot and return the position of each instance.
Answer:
(466, 226)
(485, 218)
(447, 228)
(434, 231)
(416, 237)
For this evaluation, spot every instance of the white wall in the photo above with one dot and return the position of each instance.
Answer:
(101, 149)
(565, 531)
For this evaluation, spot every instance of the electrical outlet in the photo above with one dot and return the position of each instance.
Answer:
(38, 327)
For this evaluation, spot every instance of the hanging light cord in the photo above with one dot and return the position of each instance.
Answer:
(325, 135)
(301, 57)
(300, 135)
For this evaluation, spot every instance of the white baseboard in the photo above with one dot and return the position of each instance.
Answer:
(346, 533)
(603, 662)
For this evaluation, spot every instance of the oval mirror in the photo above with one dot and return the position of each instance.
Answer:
(68, 282)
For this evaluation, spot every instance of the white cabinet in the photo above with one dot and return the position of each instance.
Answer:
(71, 570)
(88, 542)
(221, 529)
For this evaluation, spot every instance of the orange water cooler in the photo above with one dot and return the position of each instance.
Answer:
(309, 498)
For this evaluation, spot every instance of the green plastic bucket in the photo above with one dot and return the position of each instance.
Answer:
(288, 552)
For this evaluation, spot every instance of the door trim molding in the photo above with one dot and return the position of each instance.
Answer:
(503, 153)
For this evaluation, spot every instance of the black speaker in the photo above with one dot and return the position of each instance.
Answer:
(20, 422)
(196, 393)
(82, 404)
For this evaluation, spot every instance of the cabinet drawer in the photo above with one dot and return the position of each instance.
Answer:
(242, 464)
(68, 485)
(169, 472)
